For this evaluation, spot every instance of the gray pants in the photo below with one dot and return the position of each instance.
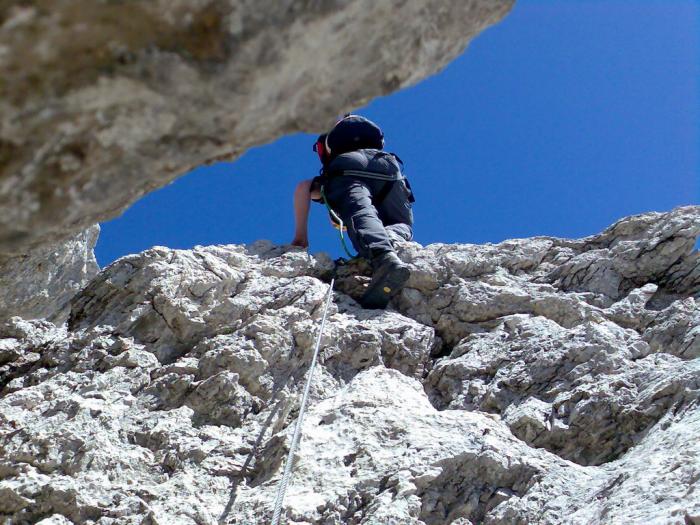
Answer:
(371, 227)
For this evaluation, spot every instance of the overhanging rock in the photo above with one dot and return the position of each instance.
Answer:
(102, 102)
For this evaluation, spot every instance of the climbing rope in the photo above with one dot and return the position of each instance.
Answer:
(338, 221)
(282, 489)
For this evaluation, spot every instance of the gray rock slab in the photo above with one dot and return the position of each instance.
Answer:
(41, 283)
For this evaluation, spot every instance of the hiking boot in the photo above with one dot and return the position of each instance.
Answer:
(390, 275)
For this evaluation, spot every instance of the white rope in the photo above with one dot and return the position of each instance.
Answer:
(282, 489)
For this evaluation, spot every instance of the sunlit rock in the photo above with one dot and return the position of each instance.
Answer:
(489, 391)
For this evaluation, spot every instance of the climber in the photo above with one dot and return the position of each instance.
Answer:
(366, 187)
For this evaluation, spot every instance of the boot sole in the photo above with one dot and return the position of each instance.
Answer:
(381, 293)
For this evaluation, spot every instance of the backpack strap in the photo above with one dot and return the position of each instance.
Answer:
(391, 177)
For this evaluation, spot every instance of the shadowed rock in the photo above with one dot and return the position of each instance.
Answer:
(41, 283)
(103, 102)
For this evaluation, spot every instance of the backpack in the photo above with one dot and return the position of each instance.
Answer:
(352, 133)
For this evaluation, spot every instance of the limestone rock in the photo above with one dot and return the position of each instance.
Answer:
(102, 102)
(41, 283)
(507, 383)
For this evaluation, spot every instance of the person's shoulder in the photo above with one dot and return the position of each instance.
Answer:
(356, 159)
(384, 161)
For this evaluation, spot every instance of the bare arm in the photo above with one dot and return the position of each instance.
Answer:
(302, 199)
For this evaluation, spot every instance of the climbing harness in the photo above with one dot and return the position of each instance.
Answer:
(341, 226)
(282, 489)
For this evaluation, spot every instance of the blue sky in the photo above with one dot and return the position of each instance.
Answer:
(558, 121)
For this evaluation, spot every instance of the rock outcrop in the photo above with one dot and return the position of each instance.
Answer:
(41, 283)
(533, 381)
(103, 101)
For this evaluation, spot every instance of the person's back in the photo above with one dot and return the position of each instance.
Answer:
(366, 187)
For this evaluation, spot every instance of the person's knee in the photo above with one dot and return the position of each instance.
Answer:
(399, 232)
(365, 223)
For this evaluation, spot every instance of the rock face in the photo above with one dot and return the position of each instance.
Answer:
(102, 101)
(533, 381)
(40, 284)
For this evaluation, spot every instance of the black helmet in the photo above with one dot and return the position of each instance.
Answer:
(351, 133)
